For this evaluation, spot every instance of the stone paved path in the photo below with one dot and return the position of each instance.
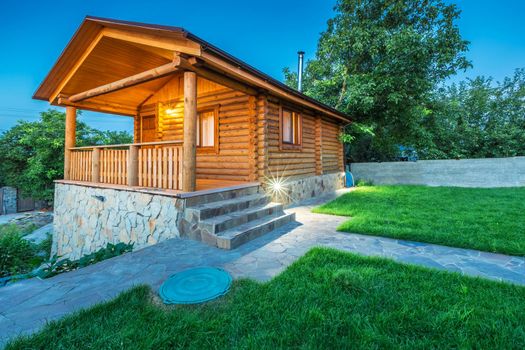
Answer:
(27, 305)
(4, 219)
(40, 234)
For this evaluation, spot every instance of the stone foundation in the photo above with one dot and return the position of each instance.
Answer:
(309, 187)
(87, 218)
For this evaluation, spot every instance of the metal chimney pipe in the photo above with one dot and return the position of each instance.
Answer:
(300, 71)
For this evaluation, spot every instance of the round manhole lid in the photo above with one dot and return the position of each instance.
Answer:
(195, 285)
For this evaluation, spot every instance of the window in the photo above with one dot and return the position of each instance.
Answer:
(291, 128)
(206, 129)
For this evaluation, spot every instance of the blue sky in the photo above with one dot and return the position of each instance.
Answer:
(33, 33)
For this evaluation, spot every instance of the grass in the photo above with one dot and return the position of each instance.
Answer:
(485, 219)
(327, 299)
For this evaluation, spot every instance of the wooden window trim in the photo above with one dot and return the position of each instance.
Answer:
(215, 147)
(287, 145)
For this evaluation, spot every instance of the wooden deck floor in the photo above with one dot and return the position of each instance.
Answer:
(203, 186)
(208, 184)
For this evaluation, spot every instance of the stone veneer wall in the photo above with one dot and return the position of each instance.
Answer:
(9, 200)
(87, 218)
(309, 187)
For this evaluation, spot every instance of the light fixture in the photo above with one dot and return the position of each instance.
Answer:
(276, 186)
(170, 111)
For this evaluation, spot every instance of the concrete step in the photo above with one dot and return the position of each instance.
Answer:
(220, 194)
(234, 237)
(213, 209)
(221, 223)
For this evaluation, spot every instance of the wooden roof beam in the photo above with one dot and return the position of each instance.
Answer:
(197, 65)
(104, 107)
(172, 44)
(130, 81)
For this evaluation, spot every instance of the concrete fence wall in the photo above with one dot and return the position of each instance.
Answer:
(489, 172)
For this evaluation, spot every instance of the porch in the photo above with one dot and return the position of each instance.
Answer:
(150, 165)
(159, 164)
(189, 122)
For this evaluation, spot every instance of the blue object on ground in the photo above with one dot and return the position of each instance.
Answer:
(195, 286)
(349, 177)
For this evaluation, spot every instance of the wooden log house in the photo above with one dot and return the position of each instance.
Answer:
(203, 120)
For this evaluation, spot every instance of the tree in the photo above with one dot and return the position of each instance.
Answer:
(32, 153)
(476, 118)
(379, 60)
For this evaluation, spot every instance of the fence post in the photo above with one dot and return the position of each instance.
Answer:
(133, 166)
(95, 165)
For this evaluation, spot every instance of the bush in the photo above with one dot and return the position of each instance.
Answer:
(17, 256)
(364, 182)
(32, 153)
(56, 266)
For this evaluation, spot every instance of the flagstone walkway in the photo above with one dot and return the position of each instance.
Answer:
(27, 305)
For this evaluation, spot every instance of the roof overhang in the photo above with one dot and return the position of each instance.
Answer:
(157, 45)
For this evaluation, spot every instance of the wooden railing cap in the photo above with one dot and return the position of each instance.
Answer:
(159, 143)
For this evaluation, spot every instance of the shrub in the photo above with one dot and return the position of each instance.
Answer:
(17, 255)
(363, 182)
(56, 266)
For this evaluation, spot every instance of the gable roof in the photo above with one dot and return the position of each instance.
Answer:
(163, 40)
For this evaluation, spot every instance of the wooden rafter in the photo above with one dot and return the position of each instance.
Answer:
(172, 44)
(156, 45)
(197, 65)
(130, 81)
(77, 65)
(112, 108)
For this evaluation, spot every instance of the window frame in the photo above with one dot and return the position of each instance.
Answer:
(215, 147)
(298, 132)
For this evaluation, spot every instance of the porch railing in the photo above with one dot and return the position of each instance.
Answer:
(150, 164)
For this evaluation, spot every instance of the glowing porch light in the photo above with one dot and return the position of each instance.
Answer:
(170, 111)
(276, 186)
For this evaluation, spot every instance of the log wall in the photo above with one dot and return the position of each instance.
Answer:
(320, 153)
(231, 161)
(332, 149)
(249, 134)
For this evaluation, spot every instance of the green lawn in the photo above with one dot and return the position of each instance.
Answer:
(327, 299)
(492, 220)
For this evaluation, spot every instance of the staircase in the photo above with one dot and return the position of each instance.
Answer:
(230, 218)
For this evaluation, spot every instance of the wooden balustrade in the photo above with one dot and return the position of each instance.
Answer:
(113, 166)
(151, 164)
(80, 165)
(160, 167)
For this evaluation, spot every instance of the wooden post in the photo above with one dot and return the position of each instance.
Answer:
(190, 132)
(95, 165)
(70, 138)
(133, 166)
